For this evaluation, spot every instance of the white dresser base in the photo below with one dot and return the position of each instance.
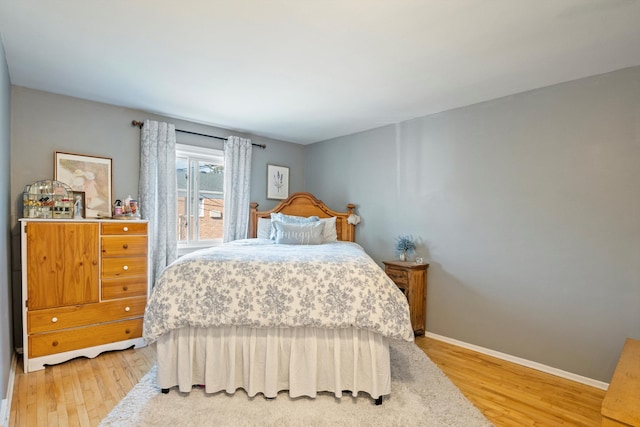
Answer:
(38, 363)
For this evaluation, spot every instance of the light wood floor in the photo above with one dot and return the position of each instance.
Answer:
(512, 395)
(81, 392)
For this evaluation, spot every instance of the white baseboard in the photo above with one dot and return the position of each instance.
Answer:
(5, 409)
(523, 362)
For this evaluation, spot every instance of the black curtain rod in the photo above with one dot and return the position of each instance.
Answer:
(140, 124)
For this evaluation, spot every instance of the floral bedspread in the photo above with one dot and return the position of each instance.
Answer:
(257, 283)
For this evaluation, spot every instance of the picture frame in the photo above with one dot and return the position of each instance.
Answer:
(83, 210)
(89, 174)
(277, 182)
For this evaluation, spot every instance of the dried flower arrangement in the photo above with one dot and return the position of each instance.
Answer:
(405, 245)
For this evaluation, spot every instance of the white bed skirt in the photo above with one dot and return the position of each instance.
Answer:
(303, 361)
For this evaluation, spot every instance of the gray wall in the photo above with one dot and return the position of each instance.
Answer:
(527, 208)
(43, 123)
(5, 257)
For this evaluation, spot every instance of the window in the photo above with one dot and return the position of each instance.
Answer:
(200, 180)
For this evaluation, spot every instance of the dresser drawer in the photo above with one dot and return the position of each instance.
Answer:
(123, 228)
(123, 246)
(124, 267)
(124, 287)
(74, 339)
(53, 319)
(400, 277)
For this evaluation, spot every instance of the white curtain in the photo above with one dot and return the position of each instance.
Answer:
(158, 193)
(237, 177)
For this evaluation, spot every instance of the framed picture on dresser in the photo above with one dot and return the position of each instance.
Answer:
(90, 174)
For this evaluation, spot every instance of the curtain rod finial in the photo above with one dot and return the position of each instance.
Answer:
(137, 123)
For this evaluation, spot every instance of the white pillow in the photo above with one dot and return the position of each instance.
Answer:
(264, 228)
(329, 233)
(298, 234)
(289, 219)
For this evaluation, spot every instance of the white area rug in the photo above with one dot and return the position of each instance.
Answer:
(421, 395)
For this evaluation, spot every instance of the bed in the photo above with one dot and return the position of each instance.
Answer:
(265, 315)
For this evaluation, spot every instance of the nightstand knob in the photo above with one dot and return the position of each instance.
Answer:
(127, 309)
(55, 343)
(126, 267)
(127, 331)
(54, 320)
(125, 246)
(125, 288)
(125, 228)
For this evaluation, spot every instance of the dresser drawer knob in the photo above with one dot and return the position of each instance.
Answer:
(125, 288)
(127, 331)
(126, 267)
(127, 309)
(125, 228)
(55, 343)
(125, 246)
(54, 320)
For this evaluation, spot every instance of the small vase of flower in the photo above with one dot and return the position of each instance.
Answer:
(405, 245)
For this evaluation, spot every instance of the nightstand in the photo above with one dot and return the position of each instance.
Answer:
(411, 278)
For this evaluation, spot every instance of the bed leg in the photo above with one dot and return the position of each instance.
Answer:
(379, 401)
(164, 390)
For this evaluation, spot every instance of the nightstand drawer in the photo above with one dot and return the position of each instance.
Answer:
(400, 277)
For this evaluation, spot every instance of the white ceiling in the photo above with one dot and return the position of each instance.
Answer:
(309, 70)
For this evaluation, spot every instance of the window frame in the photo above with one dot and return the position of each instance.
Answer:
(200, 154)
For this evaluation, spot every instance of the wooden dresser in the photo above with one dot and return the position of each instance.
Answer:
(84, 288)
(411, 278)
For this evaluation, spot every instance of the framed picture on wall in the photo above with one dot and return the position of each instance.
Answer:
(89, 174)
(277, 182)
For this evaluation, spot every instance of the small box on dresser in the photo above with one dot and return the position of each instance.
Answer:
(84, 288)
(411, 278)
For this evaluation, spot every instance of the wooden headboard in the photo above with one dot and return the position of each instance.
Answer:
(305, 204)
